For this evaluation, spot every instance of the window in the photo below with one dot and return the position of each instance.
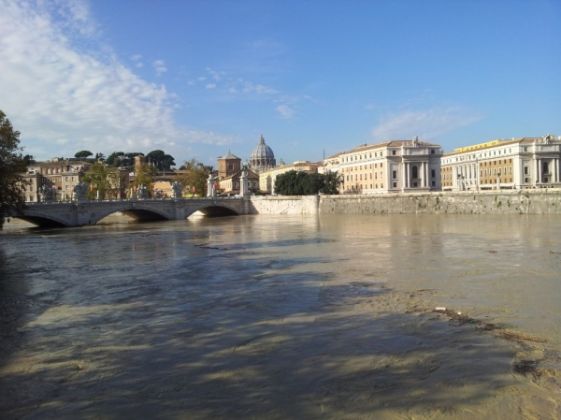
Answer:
(395, 184)
(394, 174)
(433, 174)
(414, 172)
(525, 170)
(393, 152)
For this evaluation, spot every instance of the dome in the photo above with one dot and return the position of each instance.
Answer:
(262, 157)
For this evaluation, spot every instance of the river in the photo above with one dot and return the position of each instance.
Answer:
(284, 317)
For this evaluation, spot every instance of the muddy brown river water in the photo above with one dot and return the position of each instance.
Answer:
(284, 317)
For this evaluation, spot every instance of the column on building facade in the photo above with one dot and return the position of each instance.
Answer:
(540, 171)
(407, 178)
(426, 172)
(404, 175)
(555, 171)
(536, 171)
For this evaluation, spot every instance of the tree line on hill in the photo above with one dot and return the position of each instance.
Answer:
(162, 161)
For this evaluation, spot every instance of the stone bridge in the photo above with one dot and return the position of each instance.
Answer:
(91, 212)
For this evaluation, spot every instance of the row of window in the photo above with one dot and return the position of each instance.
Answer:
(361, 167)
(358, 177)
(354, 158)
(480, 155)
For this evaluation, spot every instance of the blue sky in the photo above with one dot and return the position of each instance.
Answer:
(199, 78)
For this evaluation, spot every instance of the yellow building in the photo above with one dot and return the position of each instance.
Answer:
(393, 166)
(527, 162)
(231, 185)
(55, 179)
(267, 178)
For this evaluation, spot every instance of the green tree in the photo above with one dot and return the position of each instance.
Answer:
(11, 165)
(114, 159)
(161, 160)
(194, 175)
(83, 154)
(101, 179)
(143, 176)
(331, 183)
(305, 183)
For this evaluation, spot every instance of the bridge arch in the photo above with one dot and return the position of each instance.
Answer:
(139, 213)
(213, 210)
(42, 221)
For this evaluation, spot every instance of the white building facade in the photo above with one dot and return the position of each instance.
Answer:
(528, 162)
(393, 166)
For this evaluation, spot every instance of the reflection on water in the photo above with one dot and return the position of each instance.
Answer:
(279, 317)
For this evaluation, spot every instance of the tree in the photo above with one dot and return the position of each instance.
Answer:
(305, 183)
(194, 176)
(114, 159)
(143, 176)
(83, 154)
(332, 180)
(101, 179)
(161, 160)
(11, 165)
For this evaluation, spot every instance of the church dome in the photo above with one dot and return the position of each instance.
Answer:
(262, 157)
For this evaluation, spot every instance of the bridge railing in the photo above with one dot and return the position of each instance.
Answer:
(131, 200)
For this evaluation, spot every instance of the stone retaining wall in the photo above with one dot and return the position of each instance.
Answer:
(490, 202)
(284, 204)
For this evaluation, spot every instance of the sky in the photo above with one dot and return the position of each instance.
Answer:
(200, 78)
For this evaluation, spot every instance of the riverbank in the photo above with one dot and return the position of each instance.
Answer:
(541, 201)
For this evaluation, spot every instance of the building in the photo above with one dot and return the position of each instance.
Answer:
(262, 158)
(527, 162)
(231, 184)
(268, 177)
(393, 166)
(53, 180)
(228, 165)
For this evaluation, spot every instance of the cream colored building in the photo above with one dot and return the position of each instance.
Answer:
(528, 162)
(55, 178)
(267, 178)
(393, 166)
(231, 185)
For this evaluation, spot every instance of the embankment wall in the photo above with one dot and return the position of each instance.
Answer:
(489, 202)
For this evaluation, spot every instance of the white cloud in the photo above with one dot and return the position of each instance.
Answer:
(429, 123)
(257, 88)
(230, 87)
(64, 99)
(137, 60)
(285, 111)
(159, 67)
